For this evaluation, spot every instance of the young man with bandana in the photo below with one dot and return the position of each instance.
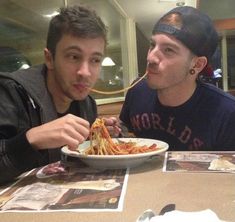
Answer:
(172, 104)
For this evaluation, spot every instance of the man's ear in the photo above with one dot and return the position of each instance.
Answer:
(48, 59)
(200, 64)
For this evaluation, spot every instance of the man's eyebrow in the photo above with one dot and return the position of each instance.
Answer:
(165, 44)
(80, 50)
(172, 45)
(98, 54)
(73, 47)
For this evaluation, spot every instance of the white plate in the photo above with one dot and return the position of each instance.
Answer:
(117, 161)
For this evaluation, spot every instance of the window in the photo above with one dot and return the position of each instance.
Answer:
(23, 30)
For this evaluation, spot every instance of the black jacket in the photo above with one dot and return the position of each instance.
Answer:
(24, 103)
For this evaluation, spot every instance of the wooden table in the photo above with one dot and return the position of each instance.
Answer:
(149, 187)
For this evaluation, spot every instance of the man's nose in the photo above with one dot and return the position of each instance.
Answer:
(84, 69)
(153, 55)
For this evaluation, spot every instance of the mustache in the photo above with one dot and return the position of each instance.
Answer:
(152, 67)
(82, 80)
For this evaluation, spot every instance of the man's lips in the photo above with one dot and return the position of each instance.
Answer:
(150, 72)
(81, 86)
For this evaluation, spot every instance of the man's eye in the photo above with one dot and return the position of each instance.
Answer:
(74, 57)
(96, 60)
(169, 50)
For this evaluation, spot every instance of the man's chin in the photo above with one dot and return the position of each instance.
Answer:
(151, 84)
(80, 96)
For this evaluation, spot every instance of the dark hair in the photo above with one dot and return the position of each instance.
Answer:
(79, 21)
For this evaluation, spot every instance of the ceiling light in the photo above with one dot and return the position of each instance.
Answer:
(51, 15)
(24, 66)
(108, 62)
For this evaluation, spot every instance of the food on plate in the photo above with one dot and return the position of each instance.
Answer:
(102, 144)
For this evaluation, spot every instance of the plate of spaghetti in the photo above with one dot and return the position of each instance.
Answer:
(104, 152)
(150, 149)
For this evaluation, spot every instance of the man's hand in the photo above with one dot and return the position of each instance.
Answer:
(68, 130)
(113, 126)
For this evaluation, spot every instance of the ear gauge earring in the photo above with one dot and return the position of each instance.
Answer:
(192, 71)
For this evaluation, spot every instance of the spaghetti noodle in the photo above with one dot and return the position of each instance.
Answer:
(117, 91)
(102, 143)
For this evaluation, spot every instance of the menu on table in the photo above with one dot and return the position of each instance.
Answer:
(66, 187)
(199, 161)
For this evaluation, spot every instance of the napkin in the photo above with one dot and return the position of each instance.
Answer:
(180, 216)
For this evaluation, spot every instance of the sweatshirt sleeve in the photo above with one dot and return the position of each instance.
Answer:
(16, 154)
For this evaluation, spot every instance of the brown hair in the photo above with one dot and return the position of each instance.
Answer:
(79, 21)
